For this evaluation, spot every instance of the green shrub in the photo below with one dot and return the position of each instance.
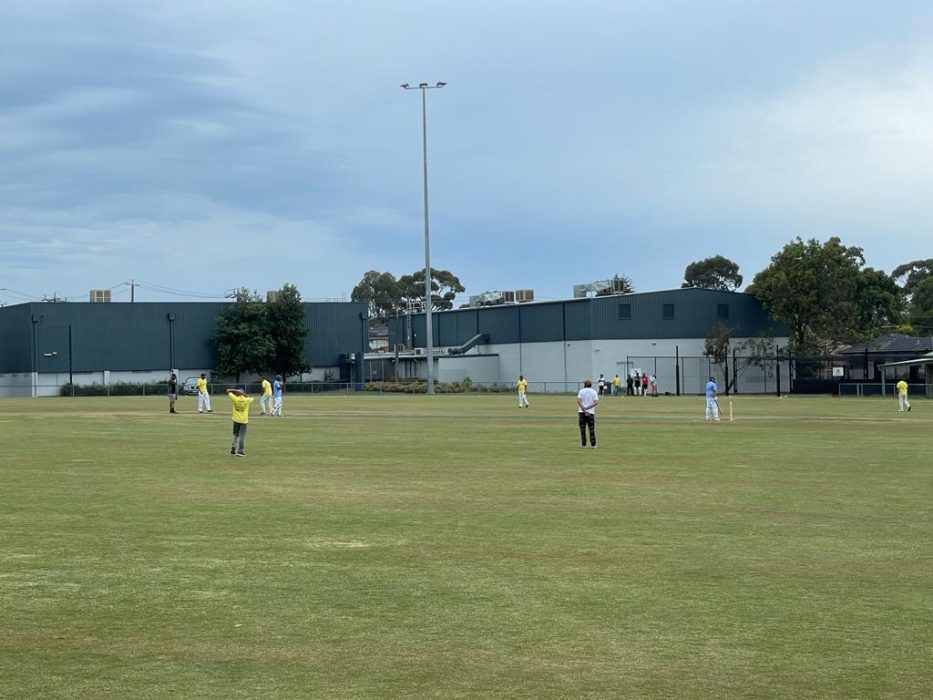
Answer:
(117, 389)
(421, 387)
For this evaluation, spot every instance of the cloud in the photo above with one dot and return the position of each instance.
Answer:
(573, 142)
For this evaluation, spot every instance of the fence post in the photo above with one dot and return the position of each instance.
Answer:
(777, 375)
(677, 368)
(735, 374)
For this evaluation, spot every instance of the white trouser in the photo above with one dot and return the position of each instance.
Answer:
(265, 403)
(204, 402)
(902, 403)
(277, 406)
(522, 399)
(712, 409)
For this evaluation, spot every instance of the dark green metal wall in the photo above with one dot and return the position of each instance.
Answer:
(695, 312)
(152, 336)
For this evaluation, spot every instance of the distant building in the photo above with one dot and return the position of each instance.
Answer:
(863, 360)
(561, 342)
(43, 346)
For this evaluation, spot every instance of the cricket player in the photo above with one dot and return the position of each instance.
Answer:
(902, 403)
(241, 403)
(265, 403)
(712, 405)
(522, 386)
(204, 399)
(277, 386)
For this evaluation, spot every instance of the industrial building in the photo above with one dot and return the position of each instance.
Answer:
(46, 345)
(556, 344)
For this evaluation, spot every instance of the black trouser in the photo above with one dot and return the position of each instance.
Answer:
(587, 420)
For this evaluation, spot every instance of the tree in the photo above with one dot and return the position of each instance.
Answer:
(242, 338)
(913, 273)
(921, 307)
(713, 273)
(716, 347)
(880, 303)
(444, 288)
(285, 318)
(811, 286)
(759, 351)
(382, 291)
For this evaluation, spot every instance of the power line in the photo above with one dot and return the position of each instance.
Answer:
(21, 295)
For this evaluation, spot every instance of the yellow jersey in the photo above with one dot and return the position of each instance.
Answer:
(266, 388)
(240, 407)
(901, 387)
(522, 385)
(202, 385)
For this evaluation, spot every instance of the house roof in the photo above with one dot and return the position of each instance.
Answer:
(891, 343)
(922, 360)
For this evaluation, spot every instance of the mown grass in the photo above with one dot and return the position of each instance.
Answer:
(457, 547)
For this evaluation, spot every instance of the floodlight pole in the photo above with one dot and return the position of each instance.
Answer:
(429, 330)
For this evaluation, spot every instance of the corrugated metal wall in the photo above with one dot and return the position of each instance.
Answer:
(631, 316)
(152, 335)
(15, 339)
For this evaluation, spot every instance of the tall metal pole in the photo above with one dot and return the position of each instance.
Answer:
(429, 324)
(35, 356)
(71, 371)
(429, 337)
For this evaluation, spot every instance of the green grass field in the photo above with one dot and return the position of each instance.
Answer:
(457, 547)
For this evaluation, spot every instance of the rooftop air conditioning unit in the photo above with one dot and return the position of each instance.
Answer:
(486, 299)
(100, 296)
(523, 295)
(508, 297)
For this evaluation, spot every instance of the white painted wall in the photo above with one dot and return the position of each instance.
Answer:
(50, 383)
(561, 367)
(481, 369)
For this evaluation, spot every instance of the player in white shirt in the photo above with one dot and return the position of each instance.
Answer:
(587, 398)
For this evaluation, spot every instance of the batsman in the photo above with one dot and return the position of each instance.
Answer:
(712, 402)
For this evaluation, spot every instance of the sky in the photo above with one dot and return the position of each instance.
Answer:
(192, 148)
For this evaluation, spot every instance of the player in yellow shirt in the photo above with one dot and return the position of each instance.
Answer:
(241, 404)
(265, 403)
(522, 386)
(902, 403)
(204, 399)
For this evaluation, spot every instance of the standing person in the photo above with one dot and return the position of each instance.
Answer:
(277, 387)
(204, 399)
(637, 383)
(629, 385)
(616, 385)
(712, 405)
(172, 393)
(522, 386)
(587, 398)
(902, 403)
(654, 385)
(265, 403)
(602, 385)
(644, 384)
(241, 404)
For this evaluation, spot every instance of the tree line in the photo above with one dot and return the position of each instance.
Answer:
(822, 291)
